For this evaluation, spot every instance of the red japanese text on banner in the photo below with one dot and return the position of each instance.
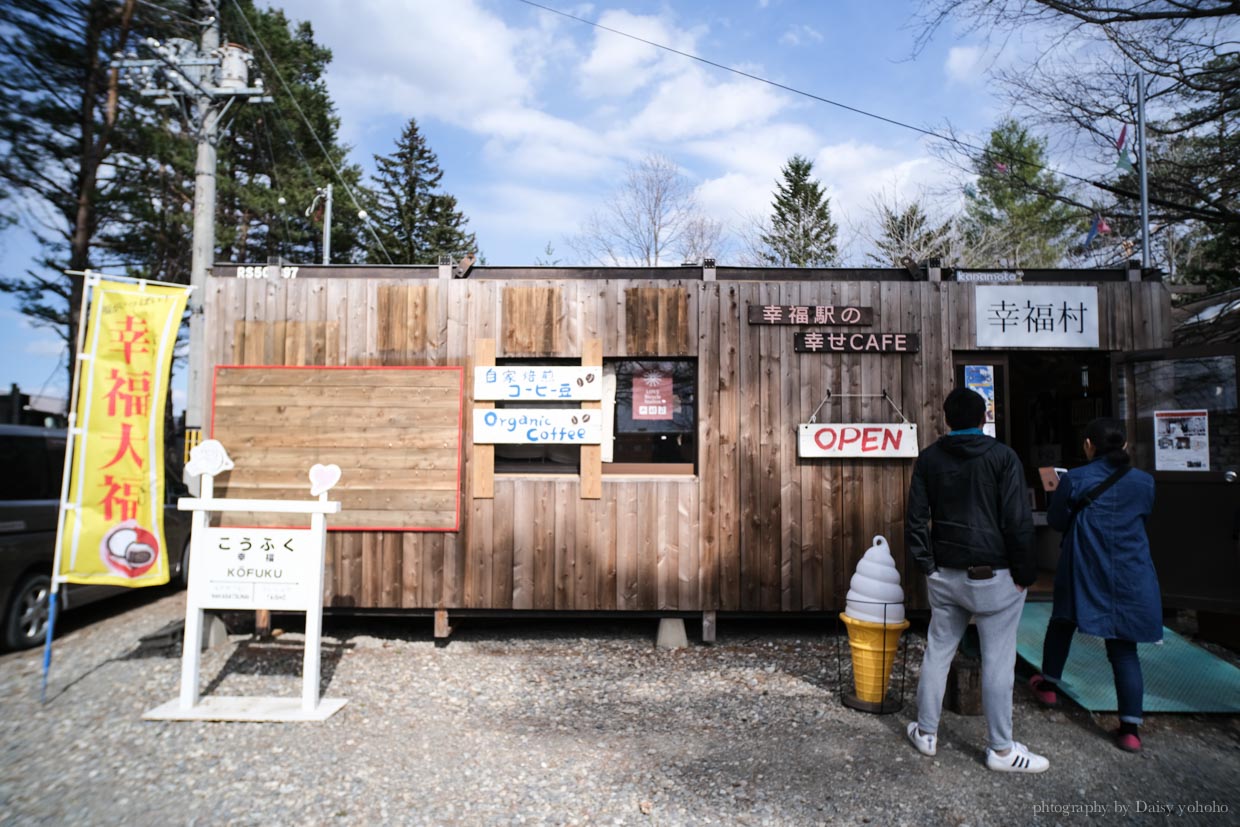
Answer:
(114, 530)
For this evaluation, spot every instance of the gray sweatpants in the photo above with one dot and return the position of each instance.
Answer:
(997, 605)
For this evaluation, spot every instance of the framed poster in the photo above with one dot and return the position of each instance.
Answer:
(1182, 440)
(981, 380)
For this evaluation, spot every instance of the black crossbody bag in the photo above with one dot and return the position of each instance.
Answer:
(1097, 491)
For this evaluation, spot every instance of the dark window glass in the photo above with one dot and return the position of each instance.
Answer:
(25, 463)
(656, 411)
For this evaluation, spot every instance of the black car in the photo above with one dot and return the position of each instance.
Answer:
(31, 463)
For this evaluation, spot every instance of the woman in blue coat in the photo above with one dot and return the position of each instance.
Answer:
(1105, 584)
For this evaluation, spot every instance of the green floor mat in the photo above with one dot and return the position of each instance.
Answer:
(1179, 676)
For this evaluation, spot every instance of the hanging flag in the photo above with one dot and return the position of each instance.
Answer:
(1103, 227)
(112, 531)
(1124, 162)
(1123, 136)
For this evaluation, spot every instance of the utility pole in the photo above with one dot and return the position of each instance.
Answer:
(1144, 159)
(204, 231)
(206, 79)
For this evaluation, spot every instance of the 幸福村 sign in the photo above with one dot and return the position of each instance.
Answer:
(538, 382)
(1051, 316)
(810, 314)
(820, 342)
(529, 426)
(833, 440)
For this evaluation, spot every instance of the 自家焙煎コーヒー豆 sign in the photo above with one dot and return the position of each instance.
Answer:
(538, 382)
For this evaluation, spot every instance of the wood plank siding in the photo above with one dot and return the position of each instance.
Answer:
(755, 529)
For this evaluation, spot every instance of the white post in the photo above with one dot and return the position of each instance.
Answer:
(314, 618)
(191, 654)
(327, 225)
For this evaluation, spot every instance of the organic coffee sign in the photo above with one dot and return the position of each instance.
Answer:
(818, 342)
(841, 314)
(536, 426)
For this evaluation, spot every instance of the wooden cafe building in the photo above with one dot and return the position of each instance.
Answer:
(678, 441)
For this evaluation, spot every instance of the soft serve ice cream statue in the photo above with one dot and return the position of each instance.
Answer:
(874, 615)
(875, 594)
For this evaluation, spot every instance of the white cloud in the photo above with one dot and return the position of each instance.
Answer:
(522, 212)
(758, 153)
(530, 143)
(965, 64)
(694, 105)
(798, 35)
(444, 60)
(618, 66)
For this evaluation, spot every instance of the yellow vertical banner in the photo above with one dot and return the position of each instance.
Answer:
(113, 529)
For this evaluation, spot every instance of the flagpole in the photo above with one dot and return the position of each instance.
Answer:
(1143, 158)
(91, 280)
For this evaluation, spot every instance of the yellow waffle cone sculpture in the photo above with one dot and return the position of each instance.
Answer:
(873, 653)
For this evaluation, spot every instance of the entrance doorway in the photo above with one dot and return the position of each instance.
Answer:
(1042, 401)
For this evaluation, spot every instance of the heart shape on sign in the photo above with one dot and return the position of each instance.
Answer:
(322, 478)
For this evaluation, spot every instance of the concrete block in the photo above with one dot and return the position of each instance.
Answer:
(672, 634)
(214, 632)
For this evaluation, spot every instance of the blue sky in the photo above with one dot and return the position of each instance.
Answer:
(534, 116)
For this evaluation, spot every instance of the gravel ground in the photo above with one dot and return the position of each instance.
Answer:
(563, 722)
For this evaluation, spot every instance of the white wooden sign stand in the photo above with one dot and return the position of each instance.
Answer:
(222, 584)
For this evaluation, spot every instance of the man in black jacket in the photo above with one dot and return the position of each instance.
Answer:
(969, 528)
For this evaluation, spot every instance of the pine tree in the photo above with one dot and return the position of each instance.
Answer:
(801, 232)
(909, 233)
(1019, 202)
(116, 173)
(63, 114)
(414, 220)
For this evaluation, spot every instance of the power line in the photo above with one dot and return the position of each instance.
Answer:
(170, 12)
(327, 155)
(950, 139)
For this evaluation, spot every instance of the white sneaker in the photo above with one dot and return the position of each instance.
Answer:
(1019, 759)
(926, 744)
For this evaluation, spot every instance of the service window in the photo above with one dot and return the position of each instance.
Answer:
(654, 421)
(551, 458)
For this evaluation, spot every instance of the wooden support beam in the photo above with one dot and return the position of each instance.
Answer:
(262, 623)
(442, 629)
(592, 455)
(484, 455)
(708, 626)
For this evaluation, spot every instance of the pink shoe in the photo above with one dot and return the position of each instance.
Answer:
(1128, 742)
(1044, 691)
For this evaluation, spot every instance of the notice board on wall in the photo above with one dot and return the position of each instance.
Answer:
(395, 432)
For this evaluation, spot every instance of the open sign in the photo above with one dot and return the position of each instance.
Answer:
(848, 441)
